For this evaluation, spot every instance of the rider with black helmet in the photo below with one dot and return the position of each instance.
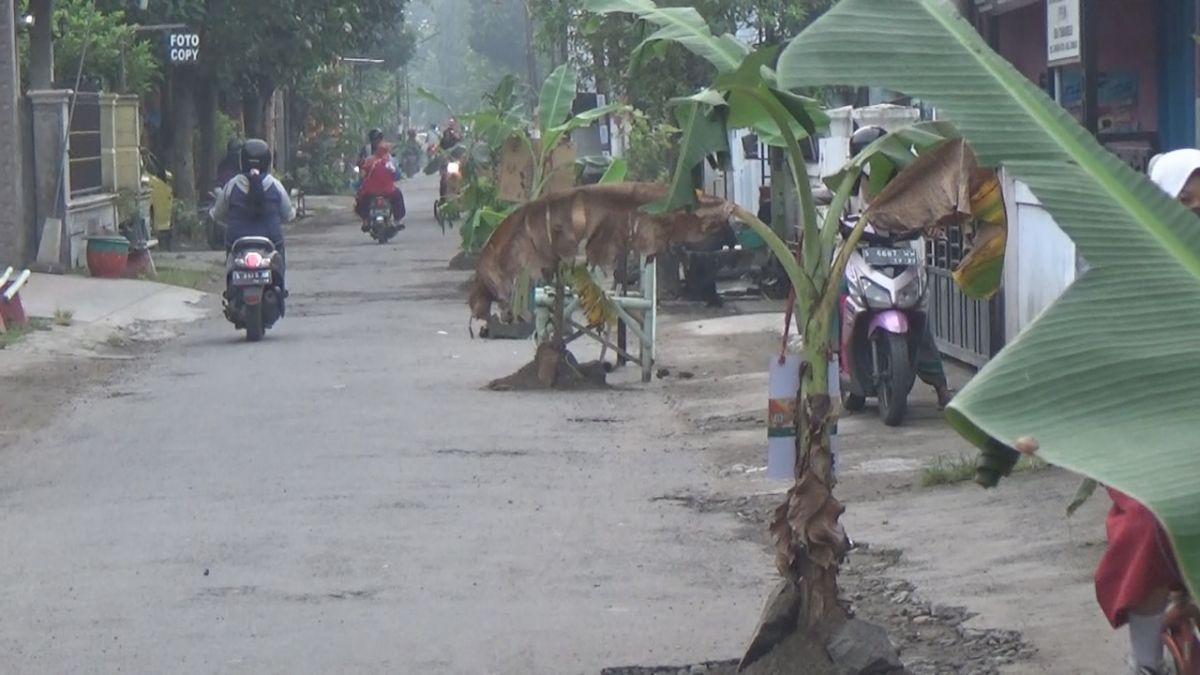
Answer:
(374, 138)
(254, 203)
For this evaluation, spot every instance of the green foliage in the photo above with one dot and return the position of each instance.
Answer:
(107, 35)
(653, 150)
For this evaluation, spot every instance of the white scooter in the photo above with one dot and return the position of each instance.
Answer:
(883, 315)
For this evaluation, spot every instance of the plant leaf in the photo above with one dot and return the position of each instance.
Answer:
(545, 233)
(1082, 494)
(424, 93)
(558, 93)
(616, 171)
(1106, 380)
(703, 136)
(683, 25)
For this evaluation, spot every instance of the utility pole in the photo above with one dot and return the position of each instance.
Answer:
(531, 56)
(12, 211)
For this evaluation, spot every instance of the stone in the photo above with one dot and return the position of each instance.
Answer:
(861, 648)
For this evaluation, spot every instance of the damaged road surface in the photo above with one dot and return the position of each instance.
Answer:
(345, 497)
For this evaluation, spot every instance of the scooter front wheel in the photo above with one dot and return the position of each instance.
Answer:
(895, 379)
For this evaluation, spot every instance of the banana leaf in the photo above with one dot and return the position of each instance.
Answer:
(1106, 382)
(558, 93)
(683, 25)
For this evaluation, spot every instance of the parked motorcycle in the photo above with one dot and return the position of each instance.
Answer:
(253, 286)
(881, 321)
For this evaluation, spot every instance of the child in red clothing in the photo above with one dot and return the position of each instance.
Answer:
(1138, 571)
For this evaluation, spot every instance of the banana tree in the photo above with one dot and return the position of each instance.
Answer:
(748, 92)
(1106, 381)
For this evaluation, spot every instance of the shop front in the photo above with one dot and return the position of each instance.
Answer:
(1126, 69)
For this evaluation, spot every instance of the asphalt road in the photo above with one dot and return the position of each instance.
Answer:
(344, 498)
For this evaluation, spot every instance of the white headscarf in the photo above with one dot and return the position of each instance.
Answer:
(1171, 170)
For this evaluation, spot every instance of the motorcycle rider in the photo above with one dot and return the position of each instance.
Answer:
(379, 180)
(255, 204)
(410, 154)
(374, 138)
(929, 358)
(231, 163)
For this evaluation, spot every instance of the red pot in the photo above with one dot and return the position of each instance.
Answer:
(107, 256)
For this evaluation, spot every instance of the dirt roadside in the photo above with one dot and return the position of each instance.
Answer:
(966, 580)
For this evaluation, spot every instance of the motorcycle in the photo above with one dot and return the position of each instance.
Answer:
(253, 286)
(882, 320)
(380, 223)
(451, 183)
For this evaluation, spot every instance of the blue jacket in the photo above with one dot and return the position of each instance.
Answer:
(233, 209)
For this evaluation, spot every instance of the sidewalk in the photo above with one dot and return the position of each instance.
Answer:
(93, 310)
(1009, 557)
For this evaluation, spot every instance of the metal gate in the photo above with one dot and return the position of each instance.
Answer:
(969, 330)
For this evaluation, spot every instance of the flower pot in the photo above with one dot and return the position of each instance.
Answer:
(107, 256)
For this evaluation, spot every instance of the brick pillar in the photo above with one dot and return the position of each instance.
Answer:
(52, 180)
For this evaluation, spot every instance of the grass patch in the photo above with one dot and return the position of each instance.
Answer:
(196, 279)
(960, 469)
(16, 333)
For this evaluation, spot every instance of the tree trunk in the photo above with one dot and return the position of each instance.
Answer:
(41, 45)
(183, 126)
(207, 153)
(809, 540)
(252, 113)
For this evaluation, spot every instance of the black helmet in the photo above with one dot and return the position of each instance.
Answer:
(864, 137)
(375, 135)
(256, 154)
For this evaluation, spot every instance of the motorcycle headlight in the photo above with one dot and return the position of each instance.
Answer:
(876, 296)
(911, 295)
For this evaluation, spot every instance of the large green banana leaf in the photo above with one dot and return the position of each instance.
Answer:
(683, 25)
(1107, 380)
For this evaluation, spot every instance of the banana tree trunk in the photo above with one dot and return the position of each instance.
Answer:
(809, 540)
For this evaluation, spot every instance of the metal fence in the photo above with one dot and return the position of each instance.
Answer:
(966, 329)
(87, 167)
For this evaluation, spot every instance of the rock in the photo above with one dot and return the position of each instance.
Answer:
(663, 372)
(861, 648)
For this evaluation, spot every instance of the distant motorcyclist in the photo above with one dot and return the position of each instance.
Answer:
(379, 180)
(374, 138)
(411, 153)
(231, 163)
(453, 135)
(255, 204)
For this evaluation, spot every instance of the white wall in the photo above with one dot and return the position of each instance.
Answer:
(1040, 261)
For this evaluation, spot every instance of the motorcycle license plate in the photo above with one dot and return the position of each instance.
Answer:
(251, 277)
(878, 255)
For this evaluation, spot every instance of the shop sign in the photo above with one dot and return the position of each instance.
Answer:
(183, 48)
(1063, 39)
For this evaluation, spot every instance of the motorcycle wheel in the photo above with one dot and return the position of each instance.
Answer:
(898, 378)
(254, 323)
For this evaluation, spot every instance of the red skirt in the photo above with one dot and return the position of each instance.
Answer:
(1137, 562)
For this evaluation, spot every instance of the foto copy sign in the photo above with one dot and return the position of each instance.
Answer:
(183, 48)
